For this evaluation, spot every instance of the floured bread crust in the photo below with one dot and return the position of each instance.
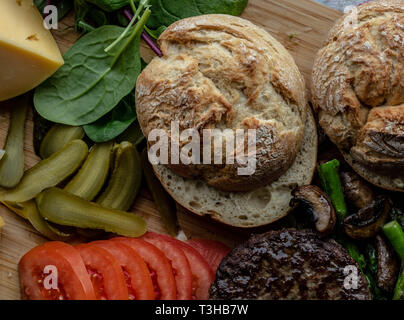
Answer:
(221, 72)
(255, 208)
(358, 89)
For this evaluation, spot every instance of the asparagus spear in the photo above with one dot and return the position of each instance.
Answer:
(331, 184)
(395, 234)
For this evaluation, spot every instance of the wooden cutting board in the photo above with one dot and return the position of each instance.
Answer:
(300, 25)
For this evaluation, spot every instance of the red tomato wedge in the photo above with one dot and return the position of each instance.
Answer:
(179, 263)
(137, 275)
(203, 275)
(159, 267)
(64, 265)
(212, 251)
(105, 273)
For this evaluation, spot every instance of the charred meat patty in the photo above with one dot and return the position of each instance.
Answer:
(289, 264)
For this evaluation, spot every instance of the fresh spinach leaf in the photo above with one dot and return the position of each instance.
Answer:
(166, 12)
(63, 6)
(88, 15)
(118, 122)
(114, 123)
(133, 134)
(109, 5)
(91, 82)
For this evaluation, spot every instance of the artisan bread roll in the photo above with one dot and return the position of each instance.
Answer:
(223, 72)
(358, 91)
(218, 72)
(246, 209)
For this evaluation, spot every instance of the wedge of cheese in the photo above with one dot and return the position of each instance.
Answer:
(28, 53)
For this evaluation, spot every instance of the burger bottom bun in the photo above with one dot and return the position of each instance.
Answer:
(255, 208)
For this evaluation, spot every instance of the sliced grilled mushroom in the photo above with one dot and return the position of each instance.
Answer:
(356, 190)
(319, 205)
(388, 267)
(367, 222)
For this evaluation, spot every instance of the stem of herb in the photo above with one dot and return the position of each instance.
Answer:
(145, 36)
(125, 32)
(139, 26)
(132, 5)
(85, 26)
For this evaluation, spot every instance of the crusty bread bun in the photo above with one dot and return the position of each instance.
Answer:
(358, 91)
(246, 209)
(218, 72)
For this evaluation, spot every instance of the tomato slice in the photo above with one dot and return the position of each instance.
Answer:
(159, 267)
(212, 251)
(105, 273)
(179, 263)
(203, 275)
(137, 275)
(71, 278)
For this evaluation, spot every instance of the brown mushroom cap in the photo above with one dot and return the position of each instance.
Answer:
(388, 266)
(356, 190)
(319, 205)
(367, 222)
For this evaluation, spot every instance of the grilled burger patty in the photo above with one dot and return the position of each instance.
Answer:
(288, 264)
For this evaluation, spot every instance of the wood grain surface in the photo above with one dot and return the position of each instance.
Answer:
(299, 25)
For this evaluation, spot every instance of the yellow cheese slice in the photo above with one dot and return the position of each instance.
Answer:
(28, 53)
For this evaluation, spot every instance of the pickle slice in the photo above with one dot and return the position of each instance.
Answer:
(38, 222)
(48, 173)
(16, 208)
(12, 162)
(57, 137)
(164, 203)
(61, 207)
(90, 179)
(125, 181)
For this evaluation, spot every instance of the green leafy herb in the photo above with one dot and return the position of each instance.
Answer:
(109, 5)
(63, 6)
(133, 134)
(114, 123)
(166, 12)
(155, 33)
(87, 16)
(92, 82)
(143, 3)
(121, 121)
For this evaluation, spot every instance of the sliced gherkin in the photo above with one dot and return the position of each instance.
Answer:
(61, 207)
(88, 182)
(12, 161)
(48, 173)
(57, 137)
(126, 178)
(38, 222)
